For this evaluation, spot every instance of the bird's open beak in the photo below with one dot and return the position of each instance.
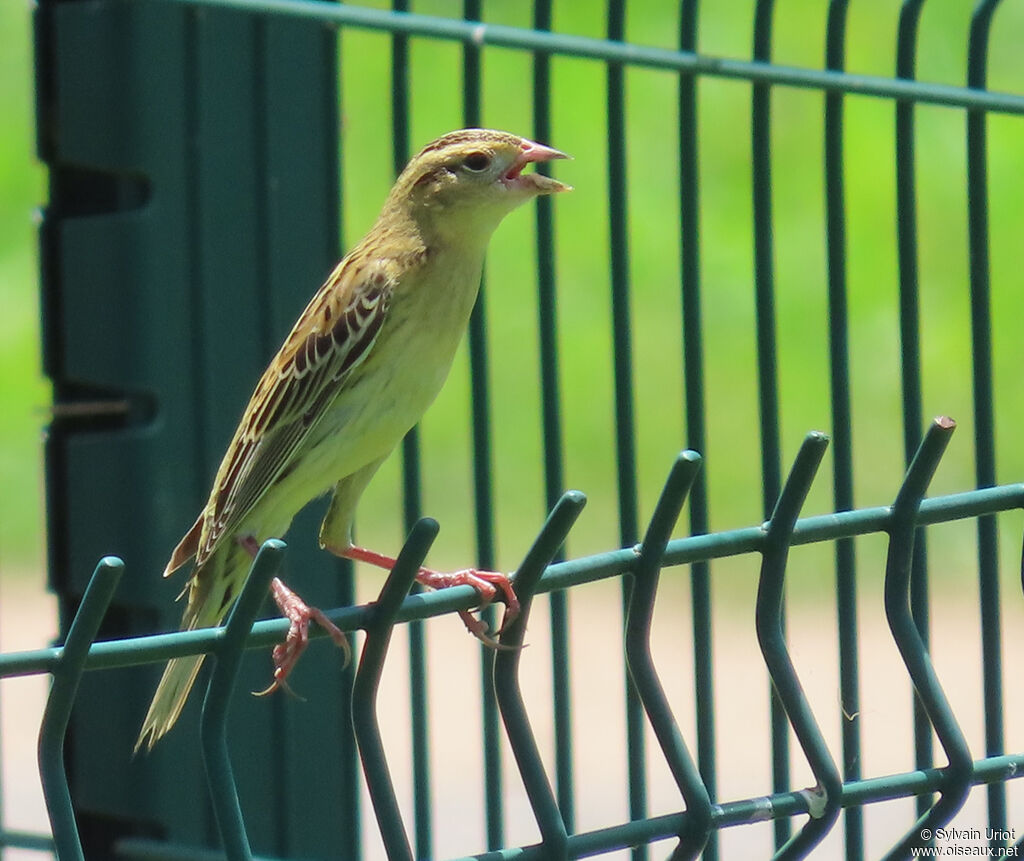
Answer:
(535, 152)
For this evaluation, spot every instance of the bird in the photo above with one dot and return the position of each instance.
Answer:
(362, 363)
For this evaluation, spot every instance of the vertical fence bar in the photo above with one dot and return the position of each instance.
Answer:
(554, 836)
(411, 497)
(910, 338)
(770, 635)
(912, 646)
(278, 757)
(625, 453)
(764, 262)
(768, 397)
(213, 725)
(696, 824)
(984, 399)
(693, 375)
(60, 701)
(622, 335)
(350, 824)
(367, 682)
(351, 801)
(842, 424)
(472, 10)
(551, 406)
(411, 490)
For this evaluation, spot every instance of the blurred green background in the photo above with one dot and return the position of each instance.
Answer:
(583, 267)
(24, 392)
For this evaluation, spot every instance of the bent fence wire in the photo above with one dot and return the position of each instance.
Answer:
(128, 820)
(642, 565)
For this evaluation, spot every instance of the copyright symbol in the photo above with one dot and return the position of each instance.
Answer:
(926, 834)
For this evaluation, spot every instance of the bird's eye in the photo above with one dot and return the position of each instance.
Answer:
(477, 161)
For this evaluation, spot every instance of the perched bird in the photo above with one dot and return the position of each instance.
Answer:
(359, 368)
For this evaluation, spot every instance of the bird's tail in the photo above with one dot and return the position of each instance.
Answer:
(211, 592)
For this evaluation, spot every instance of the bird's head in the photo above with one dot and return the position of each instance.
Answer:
(465, 182)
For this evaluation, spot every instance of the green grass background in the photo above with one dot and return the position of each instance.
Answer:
(23, 391)
(733, 460)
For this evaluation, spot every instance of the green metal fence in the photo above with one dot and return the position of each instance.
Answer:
(195, 188)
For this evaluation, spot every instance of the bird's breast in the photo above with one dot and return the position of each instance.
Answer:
(407, 364)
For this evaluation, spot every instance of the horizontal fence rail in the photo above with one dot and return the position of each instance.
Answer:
(701, 813)
(478, 34)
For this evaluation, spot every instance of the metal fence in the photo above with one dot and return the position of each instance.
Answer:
(163, 226)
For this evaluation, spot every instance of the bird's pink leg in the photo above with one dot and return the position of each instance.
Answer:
(487, 584)
(299, 615)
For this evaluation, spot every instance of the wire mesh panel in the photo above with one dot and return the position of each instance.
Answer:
(784, 218)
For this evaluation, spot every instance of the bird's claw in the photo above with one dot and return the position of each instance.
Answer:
(487, 584)
(286, 655)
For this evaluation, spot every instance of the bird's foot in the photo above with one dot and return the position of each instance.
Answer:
(286, 655)
(299, 614)
(488, 584)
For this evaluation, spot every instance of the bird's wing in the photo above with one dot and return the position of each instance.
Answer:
(332, 337)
